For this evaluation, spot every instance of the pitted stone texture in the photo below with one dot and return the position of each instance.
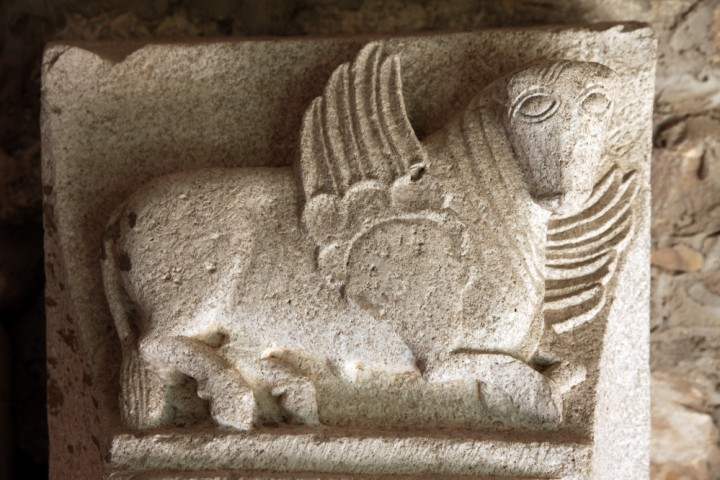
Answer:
(167, 108)
(411, 288)
(364, 454)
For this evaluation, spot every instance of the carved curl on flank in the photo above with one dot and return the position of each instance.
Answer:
(337, 223)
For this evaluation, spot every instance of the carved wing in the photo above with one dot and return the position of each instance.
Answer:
(361, 163)
(358, 129)
(583, 252)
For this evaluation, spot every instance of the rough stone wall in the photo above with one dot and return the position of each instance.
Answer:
(686, 181)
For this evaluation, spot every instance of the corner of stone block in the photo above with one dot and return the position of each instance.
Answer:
(53, 52)
(641, 30)
(111, 53)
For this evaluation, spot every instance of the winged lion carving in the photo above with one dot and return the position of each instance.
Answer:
(393, 264)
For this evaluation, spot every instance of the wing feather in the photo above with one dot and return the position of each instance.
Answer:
(358, 129)
(583, 252)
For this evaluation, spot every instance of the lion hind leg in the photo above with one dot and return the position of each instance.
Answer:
(150, 399)
(231, 397)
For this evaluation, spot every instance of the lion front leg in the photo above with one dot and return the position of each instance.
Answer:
(296, 376)
(232, 402)
(510, 389)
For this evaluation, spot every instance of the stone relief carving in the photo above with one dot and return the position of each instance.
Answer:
(386, 280)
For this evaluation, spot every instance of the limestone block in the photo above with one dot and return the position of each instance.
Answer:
(413, 256)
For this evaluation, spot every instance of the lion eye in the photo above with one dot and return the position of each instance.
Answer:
(596, 103)
(537, 107)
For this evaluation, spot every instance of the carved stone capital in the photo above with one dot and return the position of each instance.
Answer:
(422, 256)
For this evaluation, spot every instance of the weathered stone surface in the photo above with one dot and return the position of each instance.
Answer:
(678, 258)
(163, 109)
(686, 205)
(688, 77)
(28, 25)
(684, 440)
(692, 352)
(686, 179)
